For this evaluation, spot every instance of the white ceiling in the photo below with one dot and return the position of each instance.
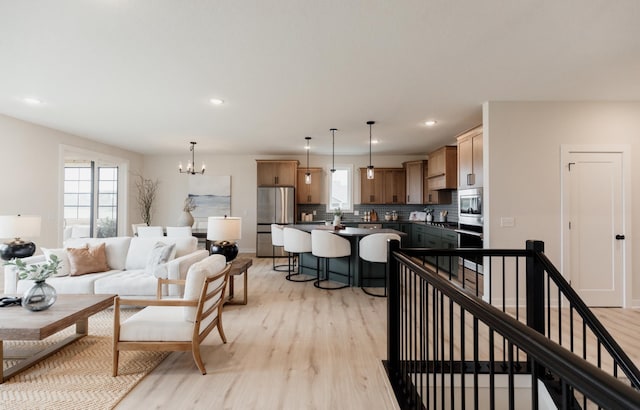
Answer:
(139, 74)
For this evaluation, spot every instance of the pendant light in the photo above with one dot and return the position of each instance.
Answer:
(370, 172)
(191, 166)
(307, 175)
(333, 149)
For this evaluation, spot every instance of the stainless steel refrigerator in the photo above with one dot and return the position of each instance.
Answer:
(275, 205)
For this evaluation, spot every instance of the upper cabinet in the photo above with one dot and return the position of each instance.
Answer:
(442, 170)
(470, 158)
(416, 172)
(388, 186)
(277, 172)
(394, 186)
(310, 193)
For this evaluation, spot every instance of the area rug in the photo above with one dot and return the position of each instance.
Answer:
(79, 375)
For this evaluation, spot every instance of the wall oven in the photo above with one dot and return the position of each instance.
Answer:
(470, 207)
(470, 224)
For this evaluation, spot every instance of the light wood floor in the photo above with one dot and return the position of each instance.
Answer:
(291, 347)
(297, 347)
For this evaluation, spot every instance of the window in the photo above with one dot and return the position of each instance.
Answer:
(340, 188)
(90, 200)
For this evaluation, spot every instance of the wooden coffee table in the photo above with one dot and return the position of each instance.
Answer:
(17, 323)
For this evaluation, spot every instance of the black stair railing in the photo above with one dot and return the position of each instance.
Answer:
(445, 343)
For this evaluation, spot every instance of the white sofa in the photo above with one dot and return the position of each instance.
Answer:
(127, 259)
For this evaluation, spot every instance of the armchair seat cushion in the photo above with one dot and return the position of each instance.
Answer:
(157, 323)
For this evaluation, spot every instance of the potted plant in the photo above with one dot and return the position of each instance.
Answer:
(337, 216)
(41, 295)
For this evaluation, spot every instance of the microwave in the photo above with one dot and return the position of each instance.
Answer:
(470, 207)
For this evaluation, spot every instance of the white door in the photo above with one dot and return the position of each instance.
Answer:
(595, 235)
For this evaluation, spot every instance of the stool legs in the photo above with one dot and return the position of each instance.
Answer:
(327, 272)
(293, 272)
(367, 291)
(279, 268)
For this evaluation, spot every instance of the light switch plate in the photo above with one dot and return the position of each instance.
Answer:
(356, 213)
(507, 222)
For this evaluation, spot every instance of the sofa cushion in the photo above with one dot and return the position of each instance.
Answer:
(69, 285)
(87, 260)
(127, 283)
(140, 248)
(196, 275)
(116, 247)
(61, 253)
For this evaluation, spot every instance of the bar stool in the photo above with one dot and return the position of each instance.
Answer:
(327, 245)
(295, 243)
(277, 241)
(373, 249)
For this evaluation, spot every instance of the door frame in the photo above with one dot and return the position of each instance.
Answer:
(625, 151)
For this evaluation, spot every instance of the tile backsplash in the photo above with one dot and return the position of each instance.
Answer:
(403, 211)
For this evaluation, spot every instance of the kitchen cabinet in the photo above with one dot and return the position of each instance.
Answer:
(426, 236)
(470, 159)
(311, 193)
(433, 196)
(277, 172)
(371, 190)
(385, 188)
(394, 186)
(442, 169)
(416, 174)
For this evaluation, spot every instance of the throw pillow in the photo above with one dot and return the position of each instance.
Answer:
(87, 260)
(159, 255)
(63, 268)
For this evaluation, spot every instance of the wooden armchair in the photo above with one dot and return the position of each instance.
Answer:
(176, 324)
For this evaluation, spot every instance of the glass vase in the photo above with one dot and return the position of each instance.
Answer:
(39, 297)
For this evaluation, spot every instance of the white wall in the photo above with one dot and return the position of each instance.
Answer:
(174, 187)
(522, 143)
(31, 173)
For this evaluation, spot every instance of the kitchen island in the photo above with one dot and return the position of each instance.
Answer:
(373, 273)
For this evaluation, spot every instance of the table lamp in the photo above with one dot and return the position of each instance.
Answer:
(16, 227)
(223, 231)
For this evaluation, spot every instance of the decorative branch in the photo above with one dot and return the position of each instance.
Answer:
(147, 189)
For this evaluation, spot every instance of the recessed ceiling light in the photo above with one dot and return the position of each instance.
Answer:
(32, 101)
(216, 101)
(430, 123)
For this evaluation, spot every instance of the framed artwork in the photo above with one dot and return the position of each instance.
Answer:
(211, 194)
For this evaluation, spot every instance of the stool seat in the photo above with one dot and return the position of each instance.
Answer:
(373, 249)
(277, 241)
(327, 245)
(295, 243)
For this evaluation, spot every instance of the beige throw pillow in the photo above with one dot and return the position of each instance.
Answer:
(87, 260)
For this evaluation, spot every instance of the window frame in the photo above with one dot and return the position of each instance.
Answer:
(349, 189)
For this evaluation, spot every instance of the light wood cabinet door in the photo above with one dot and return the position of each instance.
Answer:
(371, 190)
(277, 172)
(433, 196)
(470, 159)
(311, 193)
(415, 172)
(442, 170)
(394, 186)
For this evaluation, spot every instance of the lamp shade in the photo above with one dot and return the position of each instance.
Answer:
(224, 228)
(18, 226)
